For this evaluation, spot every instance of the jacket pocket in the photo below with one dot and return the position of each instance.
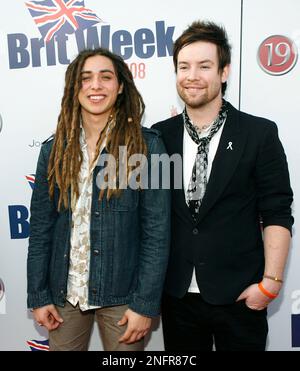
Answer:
(127, 201)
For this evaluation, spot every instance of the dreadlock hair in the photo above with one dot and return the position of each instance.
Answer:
(210, 32)
(66, 155)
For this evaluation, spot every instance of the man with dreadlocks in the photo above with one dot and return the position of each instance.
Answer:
(96, 253)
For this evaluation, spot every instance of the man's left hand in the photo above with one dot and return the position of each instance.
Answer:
(137, 326)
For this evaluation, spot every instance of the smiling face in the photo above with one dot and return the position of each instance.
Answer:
(199, 79)
(99, 87)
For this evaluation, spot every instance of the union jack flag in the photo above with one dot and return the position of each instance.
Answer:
(31, 180)
(38, 345)
(60, 17)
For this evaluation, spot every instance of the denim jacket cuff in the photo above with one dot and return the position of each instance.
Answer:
(39, 299)
(145, 308)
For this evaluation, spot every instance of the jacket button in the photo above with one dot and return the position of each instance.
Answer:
(65, 256)
(195, 231)
(94, 291)
(97, 214)
(96, 252)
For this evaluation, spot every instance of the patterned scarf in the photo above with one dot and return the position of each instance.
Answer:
(198, 181)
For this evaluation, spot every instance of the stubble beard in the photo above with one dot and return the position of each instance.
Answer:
(200, 101)
(194, 102)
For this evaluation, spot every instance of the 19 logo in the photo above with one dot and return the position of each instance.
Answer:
(277, 55)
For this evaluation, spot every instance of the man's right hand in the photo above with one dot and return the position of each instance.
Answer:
(47, 316)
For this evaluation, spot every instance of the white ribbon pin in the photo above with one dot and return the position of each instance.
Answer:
(230, 146)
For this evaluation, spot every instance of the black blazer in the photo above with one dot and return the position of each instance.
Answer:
(247, 185)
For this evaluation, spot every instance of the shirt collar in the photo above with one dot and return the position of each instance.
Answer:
(82, 137)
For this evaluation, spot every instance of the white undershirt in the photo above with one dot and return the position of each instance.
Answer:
(189, 155)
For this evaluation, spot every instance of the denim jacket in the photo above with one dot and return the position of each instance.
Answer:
(129, 243)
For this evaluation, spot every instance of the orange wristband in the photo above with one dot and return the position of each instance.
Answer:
(266, 292)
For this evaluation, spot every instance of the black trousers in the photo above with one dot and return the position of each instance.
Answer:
(191, 324)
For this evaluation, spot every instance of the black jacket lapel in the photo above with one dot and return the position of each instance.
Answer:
(227, 157)
(173, 139)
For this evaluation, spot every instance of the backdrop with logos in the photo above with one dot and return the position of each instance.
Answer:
(39, 39)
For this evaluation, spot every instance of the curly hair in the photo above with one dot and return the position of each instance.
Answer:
(66, 155)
